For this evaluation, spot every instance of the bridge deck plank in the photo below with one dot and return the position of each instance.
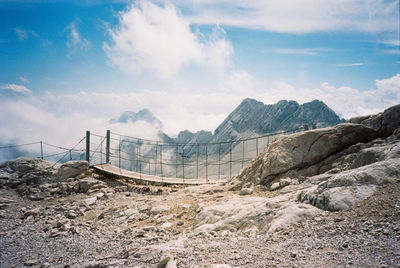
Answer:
(113, 170)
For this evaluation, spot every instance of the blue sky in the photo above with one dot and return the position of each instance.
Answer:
(190, 62)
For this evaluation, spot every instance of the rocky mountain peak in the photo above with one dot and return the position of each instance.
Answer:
(253, 116)
(142, 115)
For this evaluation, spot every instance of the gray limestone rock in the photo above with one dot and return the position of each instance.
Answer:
(72, 169)
(159, 209)
(341, 191)
(302, 150)
(167, 261)
(274, 186)
(25, 164)
(246, 191)
(385, 123)
(85, 184)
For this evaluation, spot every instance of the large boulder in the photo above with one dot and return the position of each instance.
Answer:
(385, 123)
(301, 150)
(25, 164)
(72, 169)
(310, 147)
(341, 191)
(24, 170)
(260, 214)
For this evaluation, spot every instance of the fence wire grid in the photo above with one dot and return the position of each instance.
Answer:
(202, 161)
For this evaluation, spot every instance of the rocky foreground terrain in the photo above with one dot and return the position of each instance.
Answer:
(321, 198)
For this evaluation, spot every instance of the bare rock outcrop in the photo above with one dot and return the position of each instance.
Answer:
(336, 167)
(26, 164)
(72, 169)
(253, 214)
(343, 190)
(334, 149)
(38, 179)
(26, 170)
(384, 123)
(302, 150)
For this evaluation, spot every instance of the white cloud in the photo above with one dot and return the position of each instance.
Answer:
(21, 33)
(24, 34)
(391, 42)
(62, 119)
(74, 39)
(24, 79)
(160, 40)
(30, 120)
(391, 51)
(346, 101)
(299, 16)
(15, 89)
(177, 110)
(349, 64)
(301, 51)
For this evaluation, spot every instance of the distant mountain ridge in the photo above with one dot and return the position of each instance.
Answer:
(253, 118)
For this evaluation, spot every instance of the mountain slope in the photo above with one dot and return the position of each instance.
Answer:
(253, 118)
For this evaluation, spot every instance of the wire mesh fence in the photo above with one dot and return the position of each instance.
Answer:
(202, 161)
(44, 151)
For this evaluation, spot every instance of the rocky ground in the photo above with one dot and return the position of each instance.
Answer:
(336, 203)
(115, 224)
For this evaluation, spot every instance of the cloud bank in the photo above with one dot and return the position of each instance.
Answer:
(74, 39)
(15, 89)
(299, 16)
(346, 101)
(24, 34)
(63, 119)
(160, 40)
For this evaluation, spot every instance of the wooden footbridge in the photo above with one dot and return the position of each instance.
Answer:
(158, 162)
(140, 178)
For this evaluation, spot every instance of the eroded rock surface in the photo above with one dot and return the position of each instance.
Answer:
(303, 150)
(384, 123)
(72, 169)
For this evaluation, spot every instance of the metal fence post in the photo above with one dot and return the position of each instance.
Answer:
(256, 146)
(162, 175)
(88, 146)
(101, 150)
(206, 165)
(230, 160)
(219, 162)
(108, 146)
(41, 150)
(137, 156)
(155, 164)
(119, 152)
(139, 160)
(176, 161)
